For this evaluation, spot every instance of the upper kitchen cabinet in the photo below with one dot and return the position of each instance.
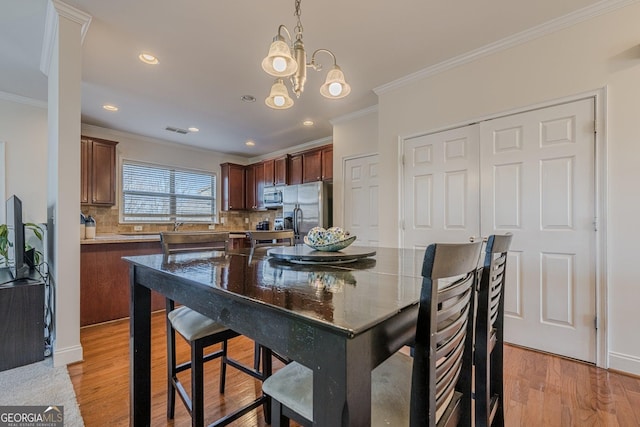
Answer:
(275, 171)
(280, 171)
(254, 186)
(98, 171)
(327, 163)
(317, 164)
(233, 186)
(295, 169)
(269, 172)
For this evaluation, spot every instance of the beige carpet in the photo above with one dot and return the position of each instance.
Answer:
(40, 384)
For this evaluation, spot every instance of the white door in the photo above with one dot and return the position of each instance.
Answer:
(440, 188)
(361, 199)
(538, 183)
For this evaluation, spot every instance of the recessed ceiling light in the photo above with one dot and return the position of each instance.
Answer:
(110, 107)
(250, 143)
(248, 98)
(192, 129)
(148, 58)
(308, 123)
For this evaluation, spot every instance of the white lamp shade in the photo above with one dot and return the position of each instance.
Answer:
(335, 87)
(279, 62)
(279, 98)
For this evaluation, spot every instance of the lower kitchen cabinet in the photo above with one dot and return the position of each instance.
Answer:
(104, 280)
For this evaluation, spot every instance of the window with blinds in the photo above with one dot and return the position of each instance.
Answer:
(155, 193)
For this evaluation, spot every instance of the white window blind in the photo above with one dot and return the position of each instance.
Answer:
(155, 193)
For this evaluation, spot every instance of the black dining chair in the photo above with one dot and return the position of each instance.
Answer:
(201, 332)
(488, 353)
(431, 389)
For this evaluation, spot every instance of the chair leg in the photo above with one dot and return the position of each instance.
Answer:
(223, 366)
(171, 370)
(267, 368)
(277, 418)
(197, 384)
(256, 356)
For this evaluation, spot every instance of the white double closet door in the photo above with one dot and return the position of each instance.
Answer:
(531, 174)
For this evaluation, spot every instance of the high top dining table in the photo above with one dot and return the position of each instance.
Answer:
(339, 320)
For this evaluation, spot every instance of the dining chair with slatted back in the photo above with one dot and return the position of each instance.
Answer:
(434, 387)
(488, 354)
(200, 332)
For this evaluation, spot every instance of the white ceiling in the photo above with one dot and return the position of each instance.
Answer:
(210, 53)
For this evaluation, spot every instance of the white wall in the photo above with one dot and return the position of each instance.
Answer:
(603, 51)
(23, 129)
(353, 135)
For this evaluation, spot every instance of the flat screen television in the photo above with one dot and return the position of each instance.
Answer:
(15, 236)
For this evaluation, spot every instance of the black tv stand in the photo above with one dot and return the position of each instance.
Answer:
(21, 319)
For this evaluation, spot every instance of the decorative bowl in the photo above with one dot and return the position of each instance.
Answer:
(332, 246)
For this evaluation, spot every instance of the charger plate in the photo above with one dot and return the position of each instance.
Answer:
(302, 254)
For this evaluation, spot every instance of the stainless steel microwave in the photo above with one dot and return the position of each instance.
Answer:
(272, 197)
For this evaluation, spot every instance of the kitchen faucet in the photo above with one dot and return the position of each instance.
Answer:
(176, 225)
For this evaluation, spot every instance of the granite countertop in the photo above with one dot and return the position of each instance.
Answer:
(121, 238)
(143, 237)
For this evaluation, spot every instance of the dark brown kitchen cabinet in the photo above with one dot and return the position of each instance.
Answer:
(269, 172)
(280, 171)
(97, 171)
(312, 166)
(233, 186)
(295, 169)
(327, 163)
(254, 186)
(104, 280)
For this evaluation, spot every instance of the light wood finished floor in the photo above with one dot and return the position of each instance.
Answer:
(540, 389)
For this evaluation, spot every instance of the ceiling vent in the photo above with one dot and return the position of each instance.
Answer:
(177, 130)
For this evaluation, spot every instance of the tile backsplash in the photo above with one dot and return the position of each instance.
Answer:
(107, 221)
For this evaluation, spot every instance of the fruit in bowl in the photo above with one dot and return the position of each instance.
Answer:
(331, 240)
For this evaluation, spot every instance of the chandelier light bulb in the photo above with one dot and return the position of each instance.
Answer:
(279, 64)
(278, 100)
(335, 89)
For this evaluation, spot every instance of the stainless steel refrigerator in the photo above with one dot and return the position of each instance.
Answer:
(306, 206)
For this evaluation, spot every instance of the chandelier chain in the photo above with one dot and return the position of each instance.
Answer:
(298, 29)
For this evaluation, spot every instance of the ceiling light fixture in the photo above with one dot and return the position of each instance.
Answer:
(148, 58)
(192, 129)
(249, 143)
(308, 123)
(248, 98)
(281, 62)
(110, 107)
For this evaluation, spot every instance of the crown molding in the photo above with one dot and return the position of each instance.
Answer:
(584, 14)
(23, 100)
(55, 9)
(354, 115)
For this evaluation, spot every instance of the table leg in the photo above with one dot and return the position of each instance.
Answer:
(342, 384)
(139, 352)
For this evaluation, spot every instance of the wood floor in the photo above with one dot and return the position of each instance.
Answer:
(540, 389)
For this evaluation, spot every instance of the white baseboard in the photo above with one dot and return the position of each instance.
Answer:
(624, 363)
(64, 356)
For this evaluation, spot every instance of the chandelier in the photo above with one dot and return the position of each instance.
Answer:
(284, 61)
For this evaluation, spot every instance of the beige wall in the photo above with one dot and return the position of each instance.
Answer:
(601, 52)
(354, 135)
(135, 147)
(23, 129)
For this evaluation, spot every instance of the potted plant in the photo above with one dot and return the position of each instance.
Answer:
(4, 242)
